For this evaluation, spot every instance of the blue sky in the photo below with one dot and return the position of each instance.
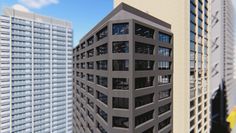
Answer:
(84, 14)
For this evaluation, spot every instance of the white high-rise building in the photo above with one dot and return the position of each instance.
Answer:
(223, 87)
(35, 73)
(222, 48)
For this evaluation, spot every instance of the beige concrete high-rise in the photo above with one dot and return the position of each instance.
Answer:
(190, 25)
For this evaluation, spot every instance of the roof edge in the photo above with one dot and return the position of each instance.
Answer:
(128, 8)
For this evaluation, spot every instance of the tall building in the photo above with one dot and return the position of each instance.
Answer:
(223, 88)
(189, 21)
(35, 73)
(123, 75)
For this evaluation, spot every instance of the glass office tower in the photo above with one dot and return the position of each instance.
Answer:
(35, 73)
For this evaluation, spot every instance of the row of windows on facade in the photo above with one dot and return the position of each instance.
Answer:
(123, 65)
(123, 122)
(199, 125)
(192, 106)
(140, 82)
(38, 24)
(140, 101)
(200, 8)
(38, 33)
(122, 103)
(200, 99)
(43, 31)
(200, 20)
(196, 18)
(123, 47)
(123, 29)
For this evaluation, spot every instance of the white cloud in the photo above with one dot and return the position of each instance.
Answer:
(38, 3)
(20, 8)
(234, 2)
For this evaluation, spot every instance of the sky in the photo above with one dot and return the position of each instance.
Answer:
(83, 14)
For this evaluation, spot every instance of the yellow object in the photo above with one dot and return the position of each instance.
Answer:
(232, 118)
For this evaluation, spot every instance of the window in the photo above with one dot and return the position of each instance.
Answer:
(77, 82)
(192, 46)
(90, 90)
(122, 103)
(90, 65)
(120, 29)
(193, 1)
(150, 130)
(164, 79)
(164, 123)
(102, 65)
(89, 127)
(192, 17)
(192, 8)
(120, 65)
(143, 31)
(143, 82)
(122, 122)
(120, 47)
(200, 5)
(141, 65)
(164, 94)
(192, 104)
(82, 85)
(192, 64)
(192, 113)
(102, 81)
(90, 77)
(102, 97)
(192, 26)
(90, 115)
(82, 65)
(192, 37)
(205, 50)
(77, 74)
(82, 75)
(120, 83)
(77, 57)
(164, 108)
(90, 103)
(77, 65)
(164, 51)
(143, 48)
(102, 33)
(90, 41)
(143, 100)
(100, 128)
(164, 65)
(83, 55)
(143, 117)
(82, 45)
(90, 53)
(102, 113)
(199, 22)
(101, 50)
(164, 37)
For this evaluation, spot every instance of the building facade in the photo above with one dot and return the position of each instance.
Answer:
(222, 63)
(190, 25)
(35, 73)
(123, 74)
